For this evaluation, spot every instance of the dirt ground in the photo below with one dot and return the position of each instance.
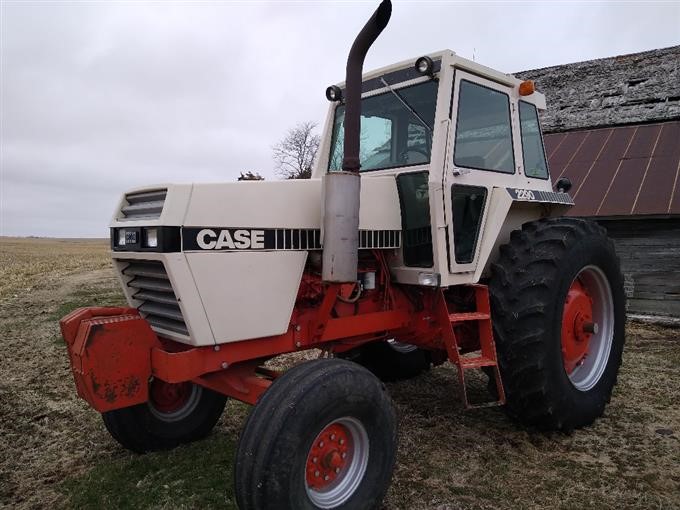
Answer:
(55, 452)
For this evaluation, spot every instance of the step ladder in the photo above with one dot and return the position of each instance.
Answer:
(487, 357)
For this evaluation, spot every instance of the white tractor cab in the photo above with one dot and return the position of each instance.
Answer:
(452, 157)
(429, 232)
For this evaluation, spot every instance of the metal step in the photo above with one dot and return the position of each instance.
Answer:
(485, 345)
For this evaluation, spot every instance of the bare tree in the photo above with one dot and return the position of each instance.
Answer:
(250, 176)
(295, 154)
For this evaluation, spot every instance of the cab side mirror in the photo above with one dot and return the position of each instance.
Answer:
(563, 185)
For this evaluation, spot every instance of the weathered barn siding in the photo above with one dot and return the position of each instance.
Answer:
(649, 250)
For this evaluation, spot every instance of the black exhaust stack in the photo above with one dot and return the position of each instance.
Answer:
(355, 65)
(342, 189)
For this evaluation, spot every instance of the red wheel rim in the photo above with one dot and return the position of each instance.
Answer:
(577, 326)
(168, 397)
(328, 456)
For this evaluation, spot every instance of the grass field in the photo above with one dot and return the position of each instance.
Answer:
(55, 452)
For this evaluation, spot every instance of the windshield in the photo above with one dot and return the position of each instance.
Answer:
(391, 135)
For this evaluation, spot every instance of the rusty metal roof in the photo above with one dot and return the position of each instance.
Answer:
(619, 171)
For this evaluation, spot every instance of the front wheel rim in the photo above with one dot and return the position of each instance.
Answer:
(173, 402)
(587, 328)
(336, 462)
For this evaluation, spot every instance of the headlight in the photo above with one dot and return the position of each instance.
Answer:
(429, 279)
(128, 236)
(155, 239)
(333, 93)
(151, 237)
(424, 65)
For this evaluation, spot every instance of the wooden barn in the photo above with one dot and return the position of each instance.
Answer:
(613, 128)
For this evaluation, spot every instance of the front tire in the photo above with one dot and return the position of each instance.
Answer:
(558, 306)
(175, 414)
(322, 436)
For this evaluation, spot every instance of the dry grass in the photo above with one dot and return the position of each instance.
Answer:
(25, 263)
(54, 451)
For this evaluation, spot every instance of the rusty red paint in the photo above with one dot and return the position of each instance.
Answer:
(109, 350)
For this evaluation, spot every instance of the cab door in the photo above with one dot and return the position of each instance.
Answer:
(481, 156)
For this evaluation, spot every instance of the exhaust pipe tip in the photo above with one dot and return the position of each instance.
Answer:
(383, 13)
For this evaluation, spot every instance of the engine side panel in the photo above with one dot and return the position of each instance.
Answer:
(247, 294)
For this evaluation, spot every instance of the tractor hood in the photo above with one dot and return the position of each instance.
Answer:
(283, 204)
(204, 263)
(259, 208)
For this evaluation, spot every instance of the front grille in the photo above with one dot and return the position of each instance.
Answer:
(152, 287)
(145, 205)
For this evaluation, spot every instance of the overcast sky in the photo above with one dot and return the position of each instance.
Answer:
(98, 97)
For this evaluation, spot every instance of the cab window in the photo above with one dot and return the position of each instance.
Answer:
(391, 134)
(415, 218)
(532, 142)
(483, 131)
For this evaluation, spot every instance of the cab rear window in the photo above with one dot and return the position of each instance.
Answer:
(535, 164)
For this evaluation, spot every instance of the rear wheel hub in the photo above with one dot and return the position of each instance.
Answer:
(577, 326)
(587, 328)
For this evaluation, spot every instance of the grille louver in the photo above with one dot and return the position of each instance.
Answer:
(153, 289)
(146, 205)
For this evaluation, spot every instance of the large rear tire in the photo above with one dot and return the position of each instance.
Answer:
(558, 307)
(322, 436)
(175, 414)
(390, 360)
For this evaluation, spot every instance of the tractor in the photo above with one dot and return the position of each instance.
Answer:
(429, 232)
